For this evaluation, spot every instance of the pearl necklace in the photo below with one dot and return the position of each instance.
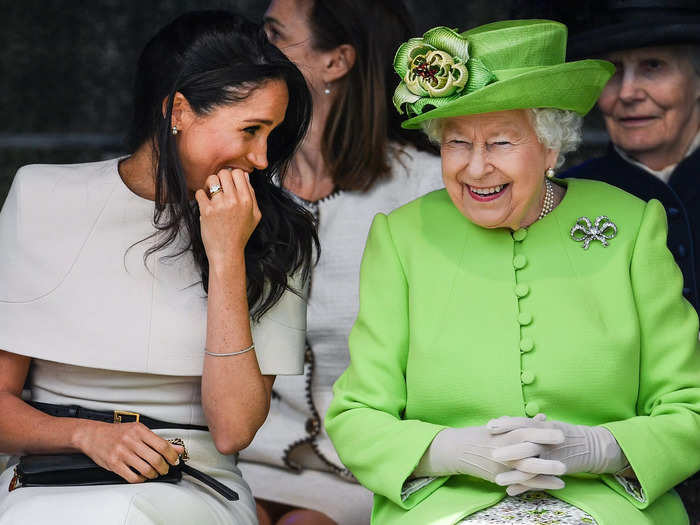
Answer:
(548, 204)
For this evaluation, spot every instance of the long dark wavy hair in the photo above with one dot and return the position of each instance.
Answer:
(362, 121)
(216, 58)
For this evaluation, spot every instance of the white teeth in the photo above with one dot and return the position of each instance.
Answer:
(487, 191)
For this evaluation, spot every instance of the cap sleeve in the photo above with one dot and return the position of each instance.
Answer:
(47, 216)
(9, 237)
(280, 336)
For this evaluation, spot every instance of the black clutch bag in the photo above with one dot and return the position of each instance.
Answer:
(72, 469)
(52, 470)
(78, 469)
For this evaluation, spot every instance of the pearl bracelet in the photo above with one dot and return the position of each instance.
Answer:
(214, 354)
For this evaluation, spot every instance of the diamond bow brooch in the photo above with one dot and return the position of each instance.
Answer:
(603, 229)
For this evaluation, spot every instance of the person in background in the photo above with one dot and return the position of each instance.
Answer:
(355, 162)
(158, 295)
(523, 353)
(651, 109)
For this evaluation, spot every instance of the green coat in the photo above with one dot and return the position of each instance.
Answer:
(460, 324)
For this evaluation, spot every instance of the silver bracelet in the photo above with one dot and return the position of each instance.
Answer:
(214, 354)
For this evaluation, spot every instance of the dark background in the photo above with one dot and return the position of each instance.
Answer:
(66, 70)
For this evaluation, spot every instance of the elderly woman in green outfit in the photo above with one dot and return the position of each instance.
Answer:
(516, 332)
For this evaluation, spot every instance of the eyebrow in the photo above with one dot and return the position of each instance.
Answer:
(505, 130)
(259, 121)
(488, 132)
(272, 20)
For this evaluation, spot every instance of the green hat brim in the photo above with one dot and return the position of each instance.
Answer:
(571, 86)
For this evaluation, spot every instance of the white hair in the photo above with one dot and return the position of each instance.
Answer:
(556, 129)
(433, 129)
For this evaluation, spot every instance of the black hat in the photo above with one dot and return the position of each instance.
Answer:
(601, 26)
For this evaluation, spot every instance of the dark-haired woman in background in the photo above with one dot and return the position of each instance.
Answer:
(162, 284)
(355, 162)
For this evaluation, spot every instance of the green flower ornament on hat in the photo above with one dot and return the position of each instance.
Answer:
(515, 64)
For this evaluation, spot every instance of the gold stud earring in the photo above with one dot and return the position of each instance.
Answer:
(550, 173)
(175, 130)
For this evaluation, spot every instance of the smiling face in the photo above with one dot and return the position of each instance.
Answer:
(651, 105)
(230, 136)
(493, 168)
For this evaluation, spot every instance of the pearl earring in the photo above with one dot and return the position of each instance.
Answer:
(327, 90)
(175, 130)
(550, 173)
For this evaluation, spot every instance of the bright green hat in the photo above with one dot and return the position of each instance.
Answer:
(515, 64)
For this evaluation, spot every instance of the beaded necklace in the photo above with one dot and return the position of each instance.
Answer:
(548, 204)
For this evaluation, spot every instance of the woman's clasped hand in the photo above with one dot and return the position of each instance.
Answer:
(131, 450)
(471, 451)
(522, 453)
(583, 448)
(230, 216)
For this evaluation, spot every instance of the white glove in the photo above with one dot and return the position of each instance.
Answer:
(584, 449)
(468, 450)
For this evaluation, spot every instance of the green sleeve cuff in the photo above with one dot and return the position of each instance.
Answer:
(382, 451)
(412, 495)
(651, 457)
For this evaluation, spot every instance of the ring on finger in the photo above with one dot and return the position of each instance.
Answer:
(214, 189)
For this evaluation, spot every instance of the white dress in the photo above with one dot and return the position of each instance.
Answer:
(107, 333)
(293, 434)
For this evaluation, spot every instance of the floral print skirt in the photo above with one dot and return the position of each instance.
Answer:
(531, 508)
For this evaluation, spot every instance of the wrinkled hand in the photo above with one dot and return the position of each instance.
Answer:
(128, 449)
(584, 449)
(229, 217)
(469, 450)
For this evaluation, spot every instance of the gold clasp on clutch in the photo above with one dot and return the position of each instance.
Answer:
(178, 441)
(14, 483)
(119, 413)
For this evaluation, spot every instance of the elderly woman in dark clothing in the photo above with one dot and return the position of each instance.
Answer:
(651, 108)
